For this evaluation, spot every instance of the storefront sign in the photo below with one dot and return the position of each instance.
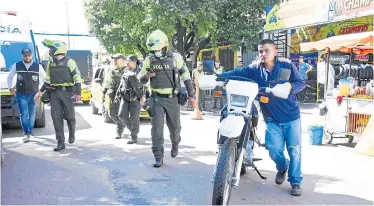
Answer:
(323, 31)
(296, 13)
(345, 9)
(362, 58)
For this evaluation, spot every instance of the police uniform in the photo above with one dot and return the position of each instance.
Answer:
(130, 92)
(111, 88)
(164, 99)
(64, 80)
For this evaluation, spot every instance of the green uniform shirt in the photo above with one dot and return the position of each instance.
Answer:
(180, 64)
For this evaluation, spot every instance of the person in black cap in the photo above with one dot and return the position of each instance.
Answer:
(129, 95)
(111, 87)
(30, 75)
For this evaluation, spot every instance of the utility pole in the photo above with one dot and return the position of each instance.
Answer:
(67, 20)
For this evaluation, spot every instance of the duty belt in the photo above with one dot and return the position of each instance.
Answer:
(64, 88)
(163, 95)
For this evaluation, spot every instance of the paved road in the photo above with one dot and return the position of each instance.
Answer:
(98, 169)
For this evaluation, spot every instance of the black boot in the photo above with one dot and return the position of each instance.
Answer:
(60, 146)
(132, 141)
(280, 177)
(71, 138)
(174, 151)
(158, 162)
(296, 190)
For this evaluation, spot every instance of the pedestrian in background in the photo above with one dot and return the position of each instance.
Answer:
(196, 74)
(30, 75)
(111, 87)
(129, 94)
(218, 69)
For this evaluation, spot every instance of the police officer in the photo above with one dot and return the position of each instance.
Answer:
(29, 75)
(63, 81)
(129, 94)
(164, 70)
(111, 87)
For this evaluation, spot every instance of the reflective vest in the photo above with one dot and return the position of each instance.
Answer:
(27, 80)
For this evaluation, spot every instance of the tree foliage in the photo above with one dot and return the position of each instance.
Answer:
(124, 25)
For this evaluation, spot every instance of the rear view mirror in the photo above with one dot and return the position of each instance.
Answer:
(98, 80)
(207, 82)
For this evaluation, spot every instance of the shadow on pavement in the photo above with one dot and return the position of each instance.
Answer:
(254, 190)
(82, 124)
(31, 180)
(92, 174)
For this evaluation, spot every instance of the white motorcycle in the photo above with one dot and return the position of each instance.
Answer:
(237, 131)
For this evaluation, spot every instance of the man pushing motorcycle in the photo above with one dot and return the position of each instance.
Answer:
(282, 116)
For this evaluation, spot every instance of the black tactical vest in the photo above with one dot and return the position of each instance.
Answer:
(59, 72)
(130, 86)
(161, 80)
(27, 80)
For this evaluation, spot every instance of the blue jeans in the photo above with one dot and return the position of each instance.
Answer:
(27, 110)
(276, 136)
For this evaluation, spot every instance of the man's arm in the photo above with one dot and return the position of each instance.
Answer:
(310, 68)
(296, 81)
(247, 71)
(76, 76)
(42, 76)
(184, 74)
(142, 76)
(11, 75)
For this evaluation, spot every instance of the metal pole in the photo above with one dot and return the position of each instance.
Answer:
(326, 74)
(67, 22)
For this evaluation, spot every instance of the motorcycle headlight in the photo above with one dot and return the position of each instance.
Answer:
(238, 100)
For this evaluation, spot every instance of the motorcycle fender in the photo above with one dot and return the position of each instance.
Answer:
(232, 126)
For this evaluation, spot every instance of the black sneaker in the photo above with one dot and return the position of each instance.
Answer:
(174, 151)
(280, 177)
(296, 190)
(132, 141)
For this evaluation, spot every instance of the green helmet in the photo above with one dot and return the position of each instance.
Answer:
(157, 40)
(57, 46)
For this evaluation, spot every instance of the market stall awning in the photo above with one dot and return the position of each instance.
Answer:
(361, 43)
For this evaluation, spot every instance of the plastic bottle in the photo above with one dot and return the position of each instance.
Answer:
(344, 86)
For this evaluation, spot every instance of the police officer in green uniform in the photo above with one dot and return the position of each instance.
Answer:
(164, 69)
(111, 87)
(63, 81)
(129, 95)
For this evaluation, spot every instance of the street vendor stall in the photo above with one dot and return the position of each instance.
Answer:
(350, 104)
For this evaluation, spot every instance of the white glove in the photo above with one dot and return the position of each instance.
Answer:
(220, 83)
(281, 90)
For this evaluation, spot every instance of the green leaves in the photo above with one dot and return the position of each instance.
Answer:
(124, 25)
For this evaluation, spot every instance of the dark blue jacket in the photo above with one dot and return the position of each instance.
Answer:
(277, 109)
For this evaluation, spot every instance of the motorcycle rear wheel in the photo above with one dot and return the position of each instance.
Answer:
(224, 173)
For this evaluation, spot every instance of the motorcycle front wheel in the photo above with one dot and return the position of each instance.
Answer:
(224, 173)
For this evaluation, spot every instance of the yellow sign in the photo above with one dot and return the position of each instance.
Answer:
(323, 31)
(296, 13)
